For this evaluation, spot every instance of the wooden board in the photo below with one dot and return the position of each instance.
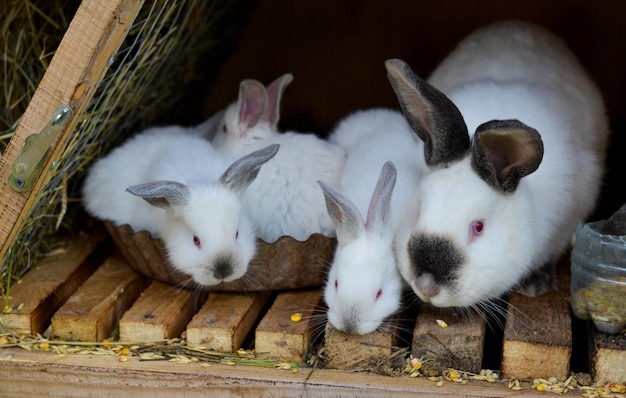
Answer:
(607, 356)
(44, 374)
(225, 320)
(92, 312)
(361, 352)
(44, 289)
(538, 336)
(161, 312)
(280, 338)
(94, 35)
(458, 346)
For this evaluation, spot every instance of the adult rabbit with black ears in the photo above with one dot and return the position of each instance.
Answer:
(515, 135)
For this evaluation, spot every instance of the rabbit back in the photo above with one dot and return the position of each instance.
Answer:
(159, 153)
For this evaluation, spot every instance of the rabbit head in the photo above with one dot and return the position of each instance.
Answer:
(473, 238)
(254, 115)
(208, 234)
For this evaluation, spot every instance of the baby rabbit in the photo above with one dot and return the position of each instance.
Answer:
(364, 286)
(285, 198)
(515, 133)
(171, 182)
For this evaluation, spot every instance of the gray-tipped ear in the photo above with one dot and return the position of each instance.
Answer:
(251, 104)
(163, 194)
(243, 171)
(274, 95)
(505, 151)
(378, 212)
(433, 117)
(344, 213)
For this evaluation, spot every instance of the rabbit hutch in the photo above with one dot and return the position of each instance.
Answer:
(87, 310)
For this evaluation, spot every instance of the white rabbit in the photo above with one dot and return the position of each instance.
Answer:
(285, 198)
(499, 208)
(364, 286)
(174, 184)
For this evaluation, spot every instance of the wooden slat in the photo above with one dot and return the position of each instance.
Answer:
(280, 338)
(95, 33)
(459, 345)
(92, 312)
(43, 289)
(161, 312)
(607, 356)
(537, 336)
(360, 352)
(225, 320)
(43, 374)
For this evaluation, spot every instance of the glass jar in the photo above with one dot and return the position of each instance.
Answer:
(598, 264)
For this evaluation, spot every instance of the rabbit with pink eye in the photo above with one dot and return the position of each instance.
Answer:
(285, 198)
(364, 286)
(171, 182)
(515, 135)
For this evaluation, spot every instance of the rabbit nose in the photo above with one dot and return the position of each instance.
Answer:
(426, 284)
(222, 270)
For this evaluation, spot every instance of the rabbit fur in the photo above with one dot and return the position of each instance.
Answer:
(515, 134)
(171, 182)
(378, 183)
(285, 198)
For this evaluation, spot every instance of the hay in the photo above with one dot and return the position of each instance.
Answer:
(29, 34)
(162, 50)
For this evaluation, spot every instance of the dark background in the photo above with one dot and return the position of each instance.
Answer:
(336, 52)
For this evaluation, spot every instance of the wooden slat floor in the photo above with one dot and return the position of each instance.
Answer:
(89, 292)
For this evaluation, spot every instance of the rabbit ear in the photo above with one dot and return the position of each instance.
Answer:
(243, 171)
(252, 103)
(344, 213)
(274, 94)
(379, 208)
(504, 151)
(163, 194)
(433, 117)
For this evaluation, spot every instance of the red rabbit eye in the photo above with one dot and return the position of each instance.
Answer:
(336, 284)
(196, 241)
(476, 229)
(379, 293)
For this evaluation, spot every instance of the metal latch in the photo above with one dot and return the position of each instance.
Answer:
(28, 164)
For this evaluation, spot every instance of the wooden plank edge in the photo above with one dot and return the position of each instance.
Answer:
(79, 376)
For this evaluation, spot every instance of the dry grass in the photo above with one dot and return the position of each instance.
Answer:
(159, 55)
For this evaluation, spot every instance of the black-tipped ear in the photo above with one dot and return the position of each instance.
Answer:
(505, 151)
(433, 117)
(162, 194)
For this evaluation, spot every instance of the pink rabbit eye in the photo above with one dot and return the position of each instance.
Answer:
(379, 293)
(336, 284)
(196, 241)
(476, 229)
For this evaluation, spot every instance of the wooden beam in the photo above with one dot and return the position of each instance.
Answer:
(225, 320)
(94, 310)
(361, 352)
(279, 337)
(93, 36)
(161, 312)
(537, 336)
(459, 345)
(45, 288)
(607, 356)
